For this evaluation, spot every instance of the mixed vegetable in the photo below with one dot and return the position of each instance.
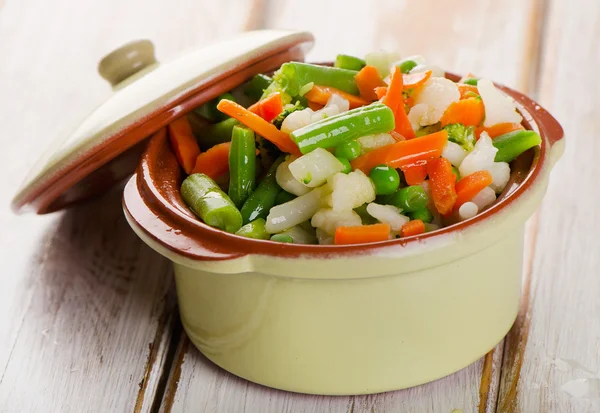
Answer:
(364, 151)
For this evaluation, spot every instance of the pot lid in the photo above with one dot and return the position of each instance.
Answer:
(107, 146)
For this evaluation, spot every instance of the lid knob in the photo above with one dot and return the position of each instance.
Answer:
(126, 61)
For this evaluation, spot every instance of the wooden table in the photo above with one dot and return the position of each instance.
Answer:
(88, 320)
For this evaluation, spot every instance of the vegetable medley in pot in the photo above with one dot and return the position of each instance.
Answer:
(364, 151)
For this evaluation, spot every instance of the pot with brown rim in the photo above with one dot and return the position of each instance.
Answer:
(307, 318)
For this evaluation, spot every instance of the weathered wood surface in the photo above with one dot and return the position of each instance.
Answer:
(552, 356)
(85, 307)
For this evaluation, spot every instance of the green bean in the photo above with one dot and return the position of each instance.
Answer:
(216, 133)
(210, 203)
(347, 167)
(300, 74)
(471, 81)
(262, 199)
(409, 199)
(512, 144)
(256, 86)
(282, 238)
(283, 197)
(407, 65)
(242, 165)
(344, 61)
(335, 130)
(209, 109)
(424, 214)
(349, 150)
(255, 229)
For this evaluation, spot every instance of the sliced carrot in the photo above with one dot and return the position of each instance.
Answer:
(314, 106)
(415, 80)
(362, 234)
(214, 162)
(263, 128)
(394, 99)
(499, 129)
(381, 91)
(467, 91)
(441, 182)
(415, 174)
(367, 79)
(414, 227)
(470, 185)
(184, 143)
(404, 153)
(321, 94)
(469, 112)
(268, 108)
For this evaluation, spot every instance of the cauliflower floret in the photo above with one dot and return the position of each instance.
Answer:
(482, 158)
(388, 214)
(349, 191)
(300, 118)
(342, 104)
(467, 210)
(454, 153)
(418, 115)
(324, 238)
(438, 93)
(297, 120)
(436, 71)
(484, 198)
(327, 219)
(369, 142)
(499, 108)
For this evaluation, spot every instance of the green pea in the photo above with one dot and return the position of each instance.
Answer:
(345, 61)
(409, 199)
(407, 65)
(385, 179)
(282, 238)
(424, 214)
(347, 167)
(349, 150)
(255, 229)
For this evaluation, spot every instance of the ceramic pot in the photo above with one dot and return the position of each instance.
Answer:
(345, 319)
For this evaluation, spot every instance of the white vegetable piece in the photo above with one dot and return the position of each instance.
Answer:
(416, 114)
(480, 158)
(286, 180)
(301, 235)
(484, 198)
(387, 214)
(369, 142)
(297, 120)
(323, 237)
(454, 153)
(382, 61)
(431, 227)
(349, 191)
(328, 220)
(499, 108)
(436, 71)
(315, 167)
(342, 104)
(500, 175)
(294, 212)
(467, 210)
(438, 93)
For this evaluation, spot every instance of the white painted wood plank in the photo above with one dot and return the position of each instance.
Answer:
(486, 37)
(81, 298)
(553, 362)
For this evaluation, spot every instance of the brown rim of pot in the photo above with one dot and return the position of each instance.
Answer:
(152, 200)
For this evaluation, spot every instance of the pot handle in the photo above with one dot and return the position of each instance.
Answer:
(136, 57)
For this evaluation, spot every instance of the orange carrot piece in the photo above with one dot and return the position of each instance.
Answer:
(367, 79)
(404, 153)
(470, 185)
(467, 91)
(214, 162)
(415, 80)
(321, 94)
(498, 129)
(263, 128)
(415, 174)
(381, 91)
(268, 108)
(441, 182)
(414, 227)
(184, 143)
(314, 106)
(362, 234)
(469, 112)
(394, 99)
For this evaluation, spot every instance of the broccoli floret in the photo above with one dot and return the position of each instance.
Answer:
(462, 135)
(285, 82)
(287, 109)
